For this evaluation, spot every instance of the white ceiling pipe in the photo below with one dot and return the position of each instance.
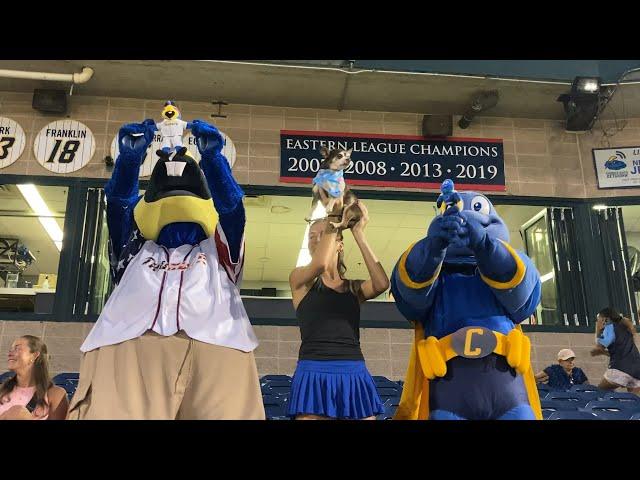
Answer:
(82, 77)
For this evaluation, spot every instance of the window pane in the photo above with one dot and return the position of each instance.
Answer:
(275, 244)
(537, 237)
(100, 282)
(276, 232)
(102, 285)
(31, 226)
(631, 216)
(529, 233)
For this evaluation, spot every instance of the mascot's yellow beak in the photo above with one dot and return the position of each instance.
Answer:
(170, 112)
(152, 217)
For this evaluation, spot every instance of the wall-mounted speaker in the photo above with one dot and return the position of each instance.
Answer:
(49, 101)
(437, 125)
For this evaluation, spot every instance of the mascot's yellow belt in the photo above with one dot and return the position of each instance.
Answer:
(429, 356)
(473, 342)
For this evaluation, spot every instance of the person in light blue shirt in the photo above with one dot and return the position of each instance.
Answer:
(615, 337)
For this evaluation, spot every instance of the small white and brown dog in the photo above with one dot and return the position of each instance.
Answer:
(330, 188)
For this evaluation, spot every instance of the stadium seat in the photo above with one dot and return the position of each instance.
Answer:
(275, 412)
(559, 405)
(390, 408)
(588, 395)
(4, 376)
(278, 390)
(70, 387)
(387, 415)
(389, 391)
(543, 391)
(607, 415)
(612, 406)
(384, 382)
(384, 416)
(572, 415)
(275, 378)
(580, 398)
(63, 377)
(392, 400)
(264, 388)
(635, 416)
(276, 383)
(68, 381)
(621, 397)
(271, 399)
(585, 387)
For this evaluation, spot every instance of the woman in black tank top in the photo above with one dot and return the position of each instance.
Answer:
(331, 379)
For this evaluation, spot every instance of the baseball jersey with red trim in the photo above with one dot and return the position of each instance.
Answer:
(192, 288)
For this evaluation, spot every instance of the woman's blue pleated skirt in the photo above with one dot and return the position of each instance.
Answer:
(334, 388)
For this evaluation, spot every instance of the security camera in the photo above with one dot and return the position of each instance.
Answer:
(480, 103)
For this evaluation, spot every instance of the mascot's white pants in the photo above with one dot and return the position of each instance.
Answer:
(153, 377)
(172, 142)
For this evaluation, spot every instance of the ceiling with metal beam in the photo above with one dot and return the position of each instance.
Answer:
(305, 86)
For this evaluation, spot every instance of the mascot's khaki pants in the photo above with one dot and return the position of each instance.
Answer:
(166, 378)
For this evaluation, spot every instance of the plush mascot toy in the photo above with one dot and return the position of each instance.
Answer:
(172, 127)
(173, 341)
(466, 290)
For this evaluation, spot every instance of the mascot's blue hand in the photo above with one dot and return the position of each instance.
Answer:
(447, 229)
(476, 232)
(209, 139)
(449, 199)
(150, 123)
(135, 138)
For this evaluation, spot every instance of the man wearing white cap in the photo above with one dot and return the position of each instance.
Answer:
(563, 375)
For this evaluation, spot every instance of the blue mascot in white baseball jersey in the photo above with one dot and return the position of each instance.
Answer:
(173, 340)
(467, 290)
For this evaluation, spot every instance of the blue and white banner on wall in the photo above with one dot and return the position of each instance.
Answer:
(617, 167)
(397, 160)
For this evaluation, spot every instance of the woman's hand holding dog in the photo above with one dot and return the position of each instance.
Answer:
(358, 228)
(378, 280)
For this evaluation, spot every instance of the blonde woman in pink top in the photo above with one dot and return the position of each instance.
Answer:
(30, 394)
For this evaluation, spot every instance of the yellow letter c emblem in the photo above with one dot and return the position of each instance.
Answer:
(467, 342)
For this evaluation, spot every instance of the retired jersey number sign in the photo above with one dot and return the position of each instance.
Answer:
(64, 146)
(12, 141)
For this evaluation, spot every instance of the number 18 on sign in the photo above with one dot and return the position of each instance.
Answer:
(64, 146)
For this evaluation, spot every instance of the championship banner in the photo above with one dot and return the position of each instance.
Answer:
(397, 160)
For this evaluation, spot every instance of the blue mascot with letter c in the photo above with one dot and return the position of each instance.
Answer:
(467, 290)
